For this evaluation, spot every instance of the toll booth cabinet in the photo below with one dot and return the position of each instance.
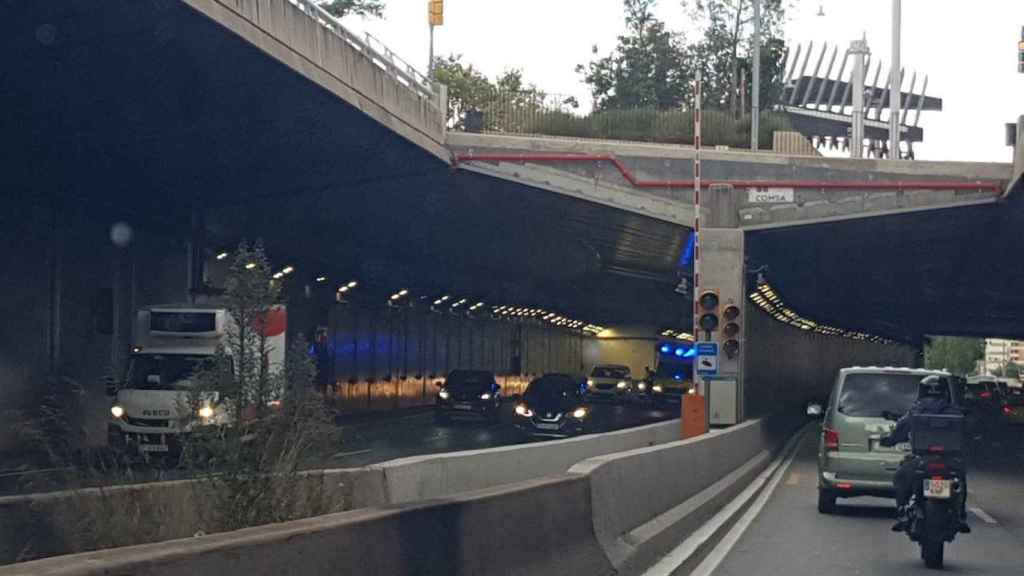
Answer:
(722, 401)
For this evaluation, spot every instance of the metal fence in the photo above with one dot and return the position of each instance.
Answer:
(544, 114)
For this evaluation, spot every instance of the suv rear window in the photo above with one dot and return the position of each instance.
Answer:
(870, 395)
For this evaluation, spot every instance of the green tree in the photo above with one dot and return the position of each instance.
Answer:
(958, 355)
(507, 102)
(646, 69)
(342, 8)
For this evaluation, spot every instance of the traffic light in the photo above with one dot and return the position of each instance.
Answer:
(731, 331)
(707, 306)
(1020, 57)
(435, 10)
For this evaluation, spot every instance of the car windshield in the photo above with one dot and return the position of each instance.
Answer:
(610, 372)
(871, 395)
(469, 379)
(163, 371)
(549, 387)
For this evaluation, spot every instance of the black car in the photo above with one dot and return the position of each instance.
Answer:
(470, 393)
(553, 405)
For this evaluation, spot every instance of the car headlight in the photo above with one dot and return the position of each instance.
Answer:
(443, 394)
(485, 396)
(206, 412)
(657, 388)
(590, 383)
(579, 413)
(622, 384)
(641, 386)
(522, 410)
(117, 411)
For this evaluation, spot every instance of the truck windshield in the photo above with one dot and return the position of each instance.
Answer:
(675, 370)
(163, 371)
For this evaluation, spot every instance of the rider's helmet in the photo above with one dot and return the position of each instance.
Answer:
(934, 386)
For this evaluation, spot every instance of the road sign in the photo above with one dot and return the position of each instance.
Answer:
(707, 358)
(769, 195)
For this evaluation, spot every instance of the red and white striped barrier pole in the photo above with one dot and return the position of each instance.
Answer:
(697, 380)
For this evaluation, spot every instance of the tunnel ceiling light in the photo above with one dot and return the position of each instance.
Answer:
(250, 265)
(222, 255)
(279, 275)
(352, 284)
(287, 270)
(403, 292)
(343, 289)
(321, 279)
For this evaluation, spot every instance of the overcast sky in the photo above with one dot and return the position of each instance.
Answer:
(967, 48)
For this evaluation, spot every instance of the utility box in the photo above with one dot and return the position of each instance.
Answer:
(722, 402)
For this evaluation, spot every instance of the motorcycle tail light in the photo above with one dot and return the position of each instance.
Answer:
(831, 439)
(985, 395)
(936, 449)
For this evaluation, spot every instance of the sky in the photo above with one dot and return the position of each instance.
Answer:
(967, 49)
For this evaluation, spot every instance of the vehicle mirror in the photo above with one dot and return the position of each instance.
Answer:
(814, 410)
(110, 385)
(439, 384)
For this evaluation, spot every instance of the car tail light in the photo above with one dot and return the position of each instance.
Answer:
(936, 449)
(831, 439)
(985, 395)
(1008, 410)
(934, 467)
(844, 486)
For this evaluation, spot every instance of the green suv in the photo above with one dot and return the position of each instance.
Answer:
(860, 411)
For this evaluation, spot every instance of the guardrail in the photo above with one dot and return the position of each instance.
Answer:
(374, 49)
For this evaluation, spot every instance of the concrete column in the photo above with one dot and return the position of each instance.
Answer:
(723, 271)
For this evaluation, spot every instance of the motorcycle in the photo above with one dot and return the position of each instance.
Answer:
(939, 488)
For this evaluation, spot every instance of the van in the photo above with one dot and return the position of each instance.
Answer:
(861, 410)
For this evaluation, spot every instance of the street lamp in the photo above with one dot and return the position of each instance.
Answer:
(895, 82)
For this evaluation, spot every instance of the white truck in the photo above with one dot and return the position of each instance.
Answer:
(152, 404)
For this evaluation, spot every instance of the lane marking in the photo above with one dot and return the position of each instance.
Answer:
(793, 480)
(983, 515)
(352, 453)
(681, 553)
(715, 558)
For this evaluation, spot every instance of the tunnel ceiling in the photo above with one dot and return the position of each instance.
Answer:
(142, 111)
(954, 271)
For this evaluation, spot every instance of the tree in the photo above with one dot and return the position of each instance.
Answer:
(505, 102)
(957, 355)
(647, 67)
(342, 8)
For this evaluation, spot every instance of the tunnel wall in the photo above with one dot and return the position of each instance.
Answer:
(785, 367)
(387, 359)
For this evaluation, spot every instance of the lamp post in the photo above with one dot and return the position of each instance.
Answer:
(895, 82)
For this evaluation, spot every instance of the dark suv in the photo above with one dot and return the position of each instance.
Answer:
(553, 405)
(471, 393)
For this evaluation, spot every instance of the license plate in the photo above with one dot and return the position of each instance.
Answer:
(463, 406)
(153, 447)
(901, 447)
(542, 426)
(937, 488)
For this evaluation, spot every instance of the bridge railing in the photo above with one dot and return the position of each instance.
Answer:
(532, 112)
(375, 50)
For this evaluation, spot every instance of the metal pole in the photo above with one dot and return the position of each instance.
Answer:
(895, 83)
(755, 89)
(430, 64)
(859, 49)
(698, 380)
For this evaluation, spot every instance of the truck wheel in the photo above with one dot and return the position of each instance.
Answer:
(826, 501)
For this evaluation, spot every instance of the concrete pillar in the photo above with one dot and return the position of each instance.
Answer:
(723, 272)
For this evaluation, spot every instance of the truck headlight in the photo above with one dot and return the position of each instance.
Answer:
(657, 388)
(579, 413)
(117, 411)
(622, 384)
(206, 412)
(443, 395)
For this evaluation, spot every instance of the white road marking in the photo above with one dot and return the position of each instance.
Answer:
(714, 559)
(675, 558)
(983, 515)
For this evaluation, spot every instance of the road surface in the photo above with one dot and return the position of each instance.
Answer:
(789, 537)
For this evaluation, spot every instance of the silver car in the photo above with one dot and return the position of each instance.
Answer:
(860, 411)
(609, 382)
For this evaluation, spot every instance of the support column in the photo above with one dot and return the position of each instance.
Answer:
(723, 272)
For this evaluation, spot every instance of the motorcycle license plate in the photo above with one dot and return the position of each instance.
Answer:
(936, 488)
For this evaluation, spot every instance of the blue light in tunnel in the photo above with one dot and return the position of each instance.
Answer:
(666, 349)
(680, 352)
(678, 377)
(687, 257)
(690, 353)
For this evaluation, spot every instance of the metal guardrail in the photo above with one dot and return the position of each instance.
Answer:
(374, 49)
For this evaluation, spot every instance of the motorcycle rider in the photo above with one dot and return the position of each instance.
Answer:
(933, 397)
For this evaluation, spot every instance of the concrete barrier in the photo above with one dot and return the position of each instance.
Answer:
(436, 475)
(647, 500)
(532, 528)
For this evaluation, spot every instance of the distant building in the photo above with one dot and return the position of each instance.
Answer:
(999, 353)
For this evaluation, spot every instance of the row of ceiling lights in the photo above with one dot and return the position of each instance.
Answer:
(498, 311)
(767, 299)
(678, 335)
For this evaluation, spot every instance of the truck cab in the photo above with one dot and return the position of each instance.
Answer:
(157, 401)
